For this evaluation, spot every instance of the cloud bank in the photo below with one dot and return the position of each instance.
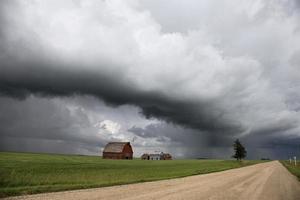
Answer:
(221, 74)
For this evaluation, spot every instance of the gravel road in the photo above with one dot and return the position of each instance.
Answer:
(266, 181)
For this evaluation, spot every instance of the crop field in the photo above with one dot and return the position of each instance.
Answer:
(292, 168)
(29, 173)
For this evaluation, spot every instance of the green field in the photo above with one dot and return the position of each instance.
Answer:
(292, 168)
(28, 173)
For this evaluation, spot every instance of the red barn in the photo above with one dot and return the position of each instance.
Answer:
(118, 150)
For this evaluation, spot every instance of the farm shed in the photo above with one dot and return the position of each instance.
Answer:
(118, 150)
(160, 156)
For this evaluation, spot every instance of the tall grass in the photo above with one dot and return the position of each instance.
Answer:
(292, 168)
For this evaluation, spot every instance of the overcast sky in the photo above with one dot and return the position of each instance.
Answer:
(186, 77)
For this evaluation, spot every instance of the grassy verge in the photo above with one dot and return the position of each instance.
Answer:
(26, 173)
(292, 168)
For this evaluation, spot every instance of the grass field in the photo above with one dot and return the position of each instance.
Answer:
(292, 168)
(27, 173)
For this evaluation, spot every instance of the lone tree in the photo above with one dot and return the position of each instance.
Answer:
(239, 149)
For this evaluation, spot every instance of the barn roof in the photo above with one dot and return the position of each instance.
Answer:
(115, 147)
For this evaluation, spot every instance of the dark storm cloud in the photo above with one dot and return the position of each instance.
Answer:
(28, 67)
(278, 146)
(217, 79)
(45, 78)
(58, 83)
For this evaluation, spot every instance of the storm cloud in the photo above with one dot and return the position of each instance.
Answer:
(194, 67)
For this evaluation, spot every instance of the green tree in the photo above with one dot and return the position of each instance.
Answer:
(239, 150)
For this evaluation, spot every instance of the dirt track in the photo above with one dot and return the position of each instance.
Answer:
(269, 181)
